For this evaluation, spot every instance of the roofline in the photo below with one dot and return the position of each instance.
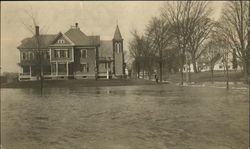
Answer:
(117, 39)
(33, 48)
(86, 46)
(66, 37)
(71, 42)
(45, 48)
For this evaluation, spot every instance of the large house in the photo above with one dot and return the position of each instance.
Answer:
(71, 55)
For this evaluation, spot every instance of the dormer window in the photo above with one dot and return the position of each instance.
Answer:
(60, 41)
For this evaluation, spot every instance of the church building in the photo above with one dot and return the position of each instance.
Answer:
(71, 55)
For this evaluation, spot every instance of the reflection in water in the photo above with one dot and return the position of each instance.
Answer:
(133, 117)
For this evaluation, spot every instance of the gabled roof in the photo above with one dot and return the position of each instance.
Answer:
(117, 35)
(62, 36)
(80, 39)
(74, 35)
(106, 48)
(45, 41)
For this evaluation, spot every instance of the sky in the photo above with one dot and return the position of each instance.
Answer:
(93, 17)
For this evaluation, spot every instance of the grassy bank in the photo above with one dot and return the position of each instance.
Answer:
(172, 78)
(75, 83)
(206, 77)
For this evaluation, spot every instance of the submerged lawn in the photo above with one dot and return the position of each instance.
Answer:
(125, 117)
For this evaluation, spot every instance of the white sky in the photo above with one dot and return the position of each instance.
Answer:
(94, 18)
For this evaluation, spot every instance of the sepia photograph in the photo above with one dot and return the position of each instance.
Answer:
(125, 74)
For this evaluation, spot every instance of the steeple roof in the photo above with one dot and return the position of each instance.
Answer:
(117, 35)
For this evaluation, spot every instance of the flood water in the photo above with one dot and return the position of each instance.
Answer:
(125, 117)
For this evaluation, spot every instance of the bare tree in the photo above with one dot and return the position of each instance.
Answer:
(225, 60)
(223, 44)
(183, 17)
(212, 55)
(248, 46)
(159, 34)
(149, 56)
(200, 33)
(233, 28)
(33, 28)
(142, 53)
(136, 51)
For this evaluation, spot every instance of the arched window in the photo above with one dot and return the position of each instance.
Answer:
(118, 47)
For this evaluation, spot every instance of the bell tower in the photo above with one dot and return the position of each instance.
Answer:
(118, 56)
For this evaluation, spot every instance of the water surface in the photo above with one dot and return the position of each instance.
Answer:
(125, 117)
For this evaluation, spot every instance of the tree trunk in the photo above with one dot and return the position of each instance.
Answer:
(194, 65)
(160, 65)
(189, 73)
(149, 75)
(182, 66)
(212, 74)
(143, 68)
(138, 70)
(40, 66)
(245, 71)
(143, 71)
(227, 76)
(41, 74)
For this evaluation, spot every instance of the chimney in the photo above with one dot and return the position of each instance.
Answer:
(37, 30)
(76, 25)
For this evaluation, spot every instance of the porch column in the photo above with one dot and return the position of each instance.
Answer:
(67, 67)
(51, 72)
(30, 71)
(107, 64)
(56, 68)
(20, 71)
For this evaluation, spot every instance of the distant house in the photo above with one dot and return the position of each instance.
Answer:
(218, 66)
(71, 55)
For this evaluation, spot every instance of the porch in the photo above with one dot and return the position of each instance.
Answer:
(105, 65)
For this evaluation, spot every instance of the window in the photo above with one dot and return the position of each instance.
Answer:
(56, 55)
(53, 68)
(61, 53)
(24, 56)
(84, 67)
(47, 55)
(26, 69)
(31, 55)
(68, 53)
(60, 41)
(118, 47)
(84, 53)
